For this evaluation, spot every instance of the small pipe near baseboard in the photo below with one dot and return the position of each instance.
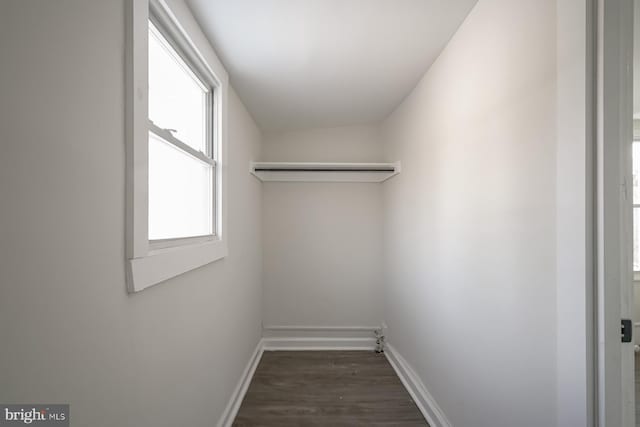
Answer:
(380, 340)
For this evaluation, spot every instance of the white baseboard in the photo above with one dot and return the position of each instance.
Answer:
(295, 331)
(416, 388)
(318, 343)
(278, 337)
(230, 412)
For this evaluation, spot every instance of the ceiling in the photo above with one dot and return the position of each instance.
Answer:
(321, 63)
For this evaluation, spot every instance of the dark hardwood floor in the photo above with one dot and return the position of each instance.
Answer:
(327, 388)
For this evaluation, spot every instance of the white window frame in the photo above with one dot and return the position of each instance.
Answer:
(152, 262)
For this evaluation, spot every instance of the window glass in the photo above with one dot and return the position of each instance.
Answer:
(180, 193)
(177, 98)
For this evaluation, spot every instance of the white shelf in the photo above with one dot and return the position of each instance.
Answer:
(324, 172)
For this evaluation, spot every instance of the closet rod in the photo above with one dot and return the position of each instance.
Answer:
(263, 169)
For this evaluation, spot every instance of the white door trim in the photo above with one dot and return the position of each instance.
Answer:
(614, 136)
(575, 211)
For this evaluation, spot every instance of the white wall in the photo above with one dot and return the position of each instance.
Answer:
(70, 333)
(323, 242)
(470, 296)
(340, 144)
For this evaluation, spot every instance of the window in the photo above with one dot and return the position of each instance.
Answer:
(176, 93)
(181, 161)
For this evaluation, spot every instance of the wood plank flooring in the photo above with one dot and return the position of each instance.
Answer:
(327, 388)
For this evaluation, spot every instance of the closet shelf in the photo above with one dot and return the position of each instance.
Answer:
(324, 172)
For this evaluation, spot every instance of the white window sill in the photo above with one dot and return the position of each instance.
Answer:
(163, 264)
